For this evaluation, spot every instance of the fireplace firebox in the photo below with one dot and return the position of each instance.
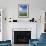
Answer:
(22, 37)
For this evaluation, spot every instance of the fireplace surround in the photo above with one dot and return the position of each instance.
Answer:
(24, 27)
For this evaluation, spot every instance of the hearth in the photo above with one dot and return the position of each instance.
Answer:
(22, 37)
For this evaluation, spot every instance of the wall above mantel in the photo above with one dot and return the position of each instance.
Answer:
(13, 14)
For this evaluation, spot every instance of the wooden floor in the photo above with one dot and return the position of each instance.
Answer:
(20, 45)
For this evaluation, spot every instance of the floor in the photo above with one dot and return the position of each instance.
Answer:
(20, 45)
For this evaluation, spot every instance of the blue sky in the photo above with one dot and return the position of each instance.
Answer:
(23, 8)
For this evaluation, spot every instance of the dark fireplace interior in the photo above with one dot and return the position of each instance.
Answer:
(22, 37)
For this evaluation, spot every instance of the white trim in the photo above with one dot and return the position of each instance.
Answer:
(1, 25)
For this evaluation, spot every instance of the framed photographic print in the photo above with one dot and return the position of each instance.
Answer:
(23, 10)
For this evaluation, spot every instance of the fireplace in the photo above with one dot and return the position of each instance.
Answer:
(22, 37)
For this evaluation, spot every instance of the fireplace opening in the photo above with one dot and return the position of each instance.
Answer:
(22, 37)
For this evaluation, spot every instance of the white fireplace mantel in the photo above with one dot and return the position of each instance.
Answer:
(15, 26)
(27, 26)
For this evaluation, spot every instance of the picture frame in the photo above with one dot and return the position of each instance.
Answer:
(23, 10)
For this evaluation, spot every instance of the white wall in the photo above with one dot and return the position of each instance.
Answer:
(4, 24)
(34, 3)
